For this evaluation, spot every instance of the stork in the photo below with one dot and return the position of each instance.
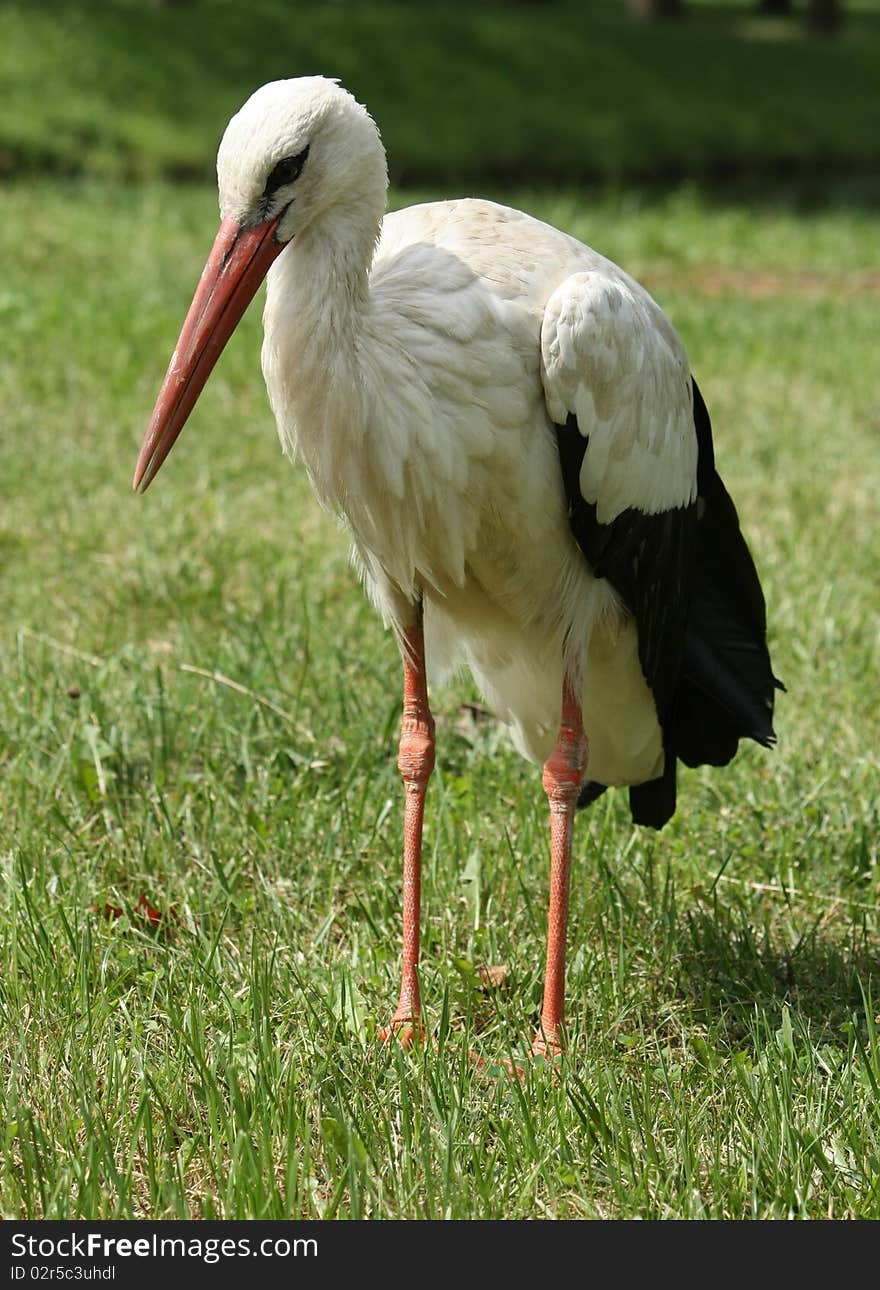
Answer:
(508, 425)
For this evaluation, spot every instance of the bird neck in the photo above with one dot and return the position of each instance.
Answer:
(317, 292)
(317, 334)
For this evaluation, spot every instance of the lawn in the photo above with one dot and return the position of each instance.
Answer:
(200, 819)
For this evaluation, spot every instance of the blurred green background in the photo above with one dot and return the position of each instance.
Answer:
(509, 92)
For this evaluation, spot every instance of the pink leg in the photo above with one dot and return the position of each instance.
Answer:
(563, 772)
(415, 761)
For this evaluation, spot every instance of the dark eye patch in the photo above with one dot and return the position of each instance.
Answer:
(286, 171)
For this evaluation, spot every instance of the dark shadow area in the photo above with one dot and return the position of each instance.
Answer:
(795, 192)
(730, 967)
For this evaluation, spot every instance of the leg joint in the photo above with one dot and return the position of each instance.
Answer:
(415, 757)
(564, 768)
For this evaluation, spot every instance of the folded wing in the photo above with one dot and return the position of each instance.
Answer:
(651, 515)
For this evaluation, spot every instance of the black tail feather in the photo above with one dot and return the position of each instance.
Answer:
(653, 803)
(590, 790)
(726, 686)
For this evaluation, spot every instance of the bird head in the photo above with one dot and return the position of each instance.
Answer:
(296, 150)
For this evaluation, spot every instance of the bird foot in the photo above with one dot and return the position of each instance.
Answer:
(496, 1070)
(408, 1033)
(550, 1047)
(546, 1048)
(548, 1053)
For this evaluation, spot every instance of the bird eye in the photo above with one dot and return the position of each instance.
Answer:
(285, 171)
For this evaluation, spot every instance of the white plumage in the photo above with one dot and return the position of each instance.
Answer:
(508, 425)
(418, 388)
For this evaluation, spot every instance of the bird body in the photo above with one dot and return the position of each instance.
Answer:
(508, 425)
(423, 410)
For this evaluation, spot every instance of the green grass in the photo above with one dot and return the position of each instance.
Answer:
(517, 92)
(723, 975)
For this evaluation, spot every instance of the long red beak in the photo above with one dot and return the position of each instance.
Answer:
(238, 263)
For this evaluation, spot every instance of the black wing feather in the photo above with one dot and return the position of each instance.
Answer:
(688, 579)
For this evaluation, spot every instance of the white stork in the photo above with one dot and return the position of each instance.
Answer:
(508, 424)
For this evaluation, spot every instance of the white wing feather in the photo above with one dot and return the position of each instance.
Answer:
(611, 357)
